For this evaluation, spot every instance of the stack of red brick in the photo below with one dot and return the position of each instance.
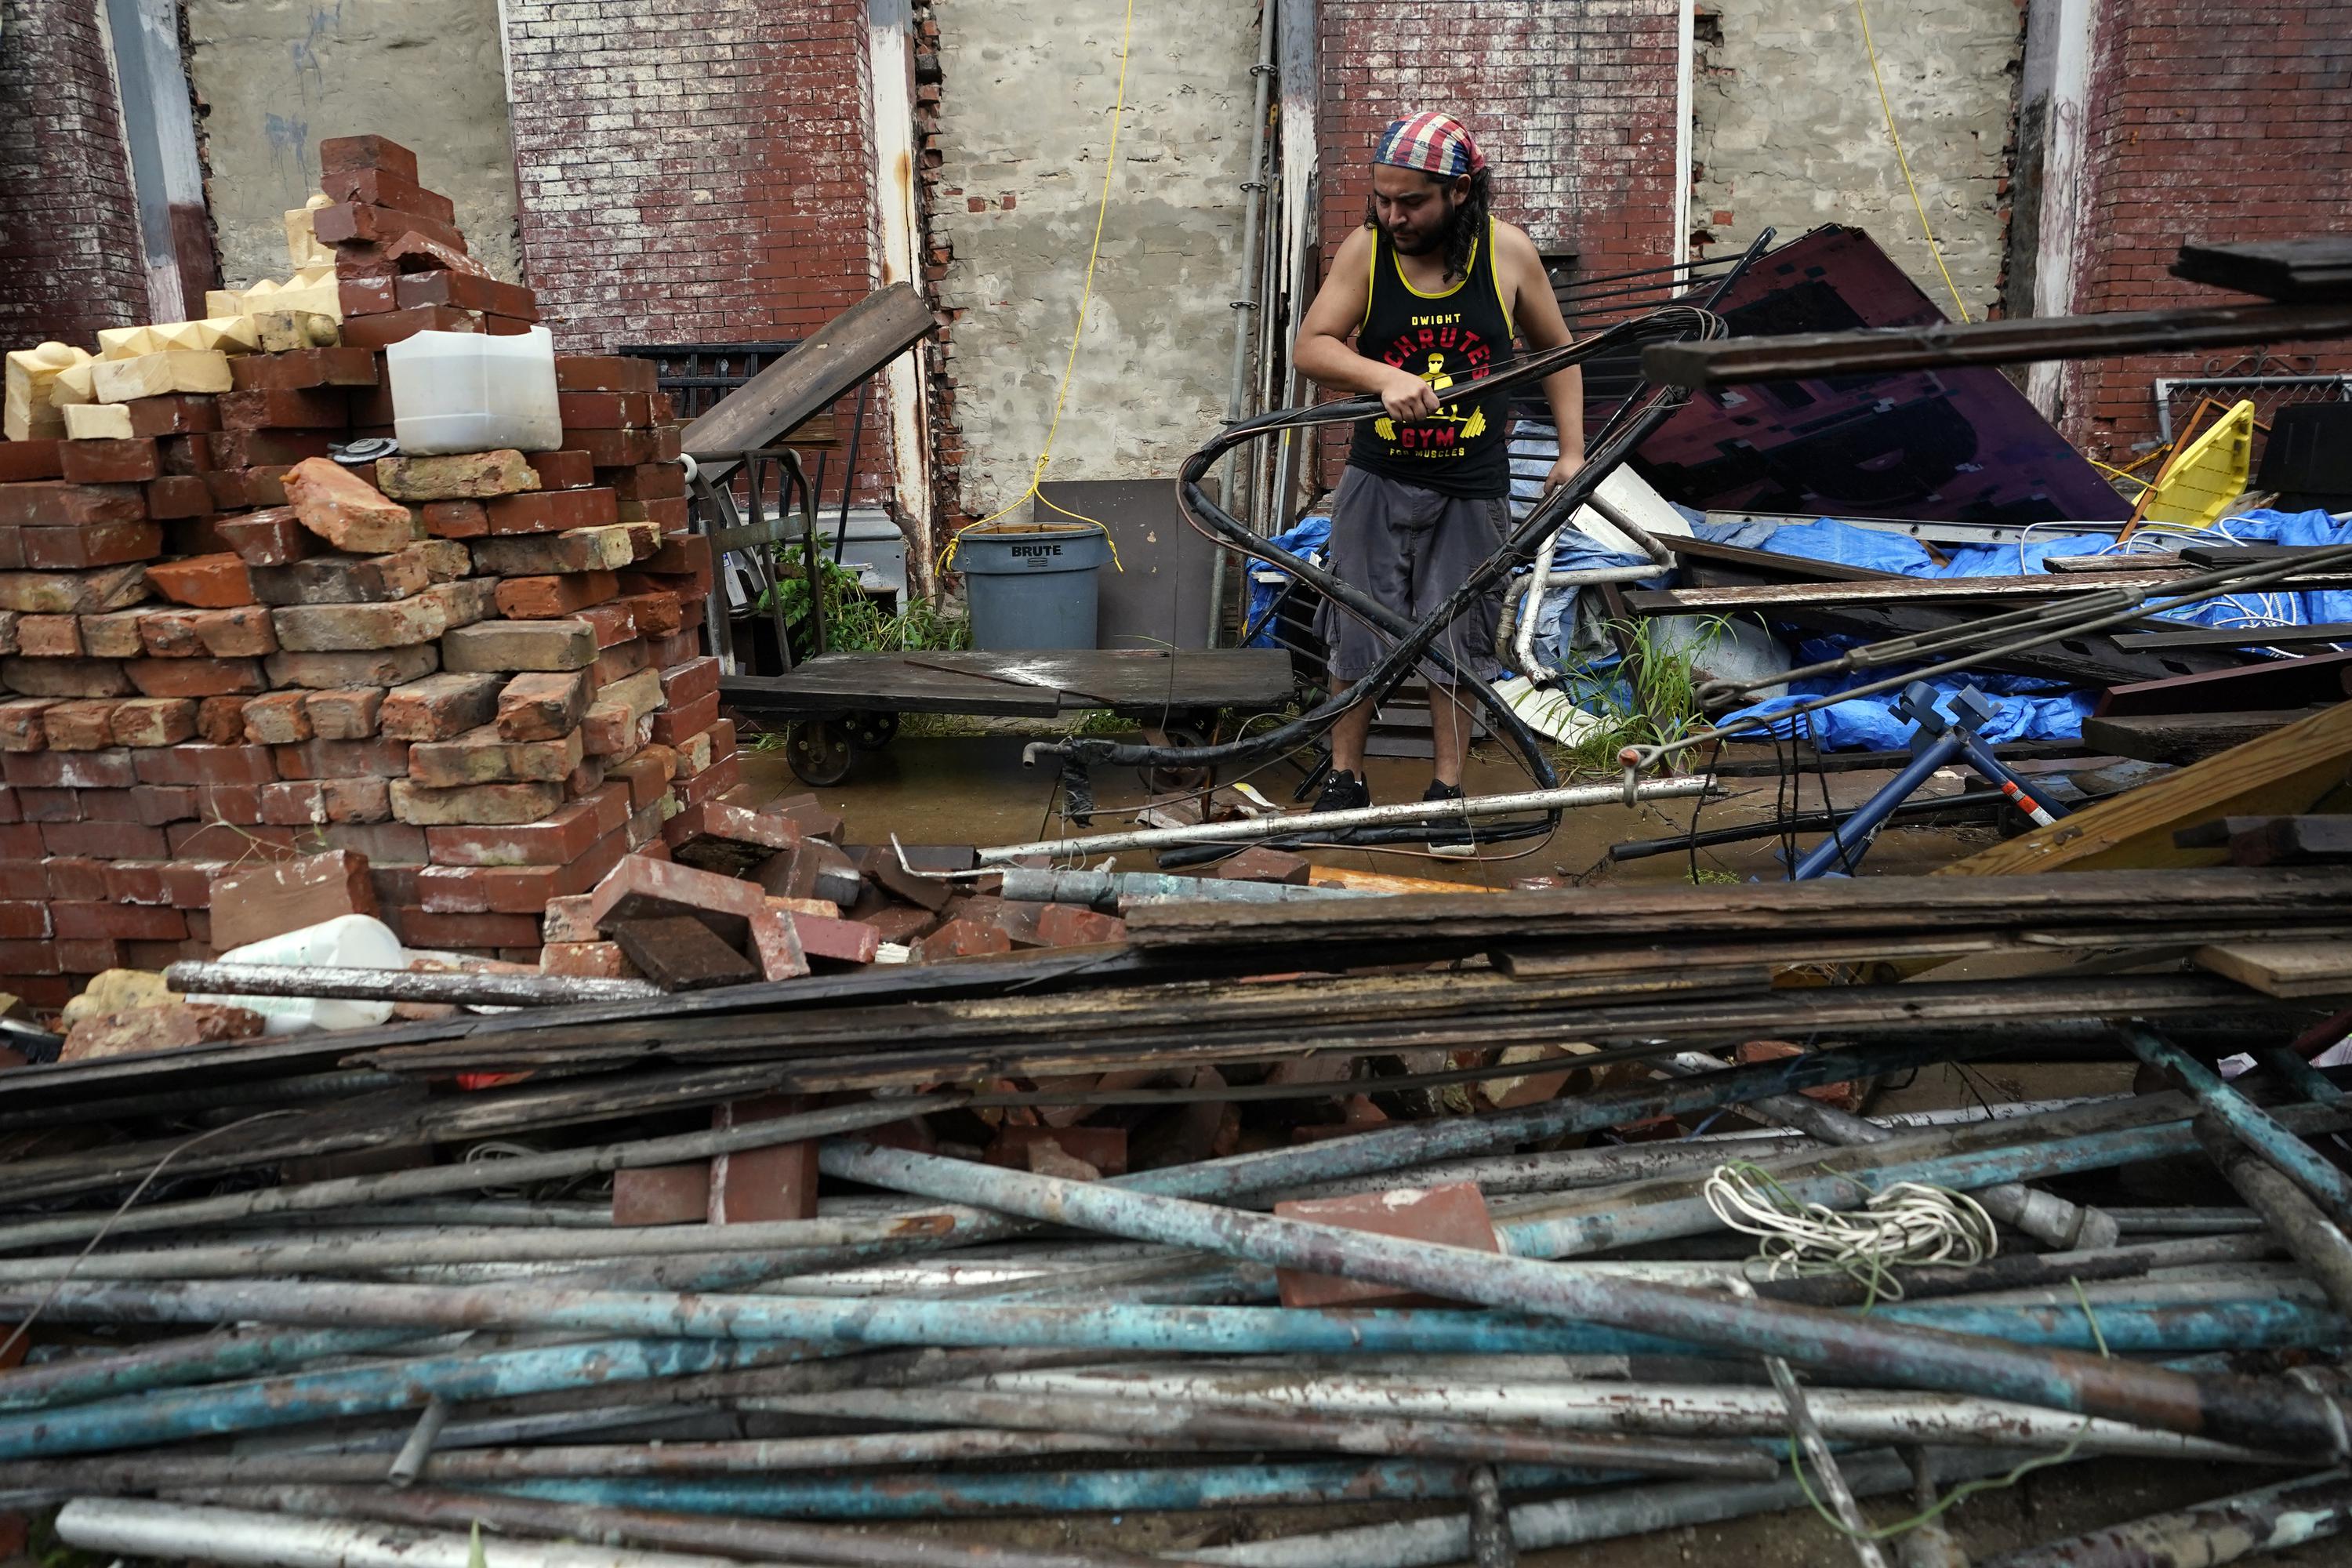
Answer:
(481, 672)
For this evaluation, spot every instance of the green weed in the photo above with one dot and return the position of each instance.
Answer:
(853, 623)
(1650, 696)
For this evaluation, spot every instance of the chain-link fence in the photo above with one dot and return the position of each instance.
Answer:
(2177, 397)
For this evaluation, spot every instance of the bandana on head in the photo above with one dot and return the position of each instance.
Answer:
(1436, 144)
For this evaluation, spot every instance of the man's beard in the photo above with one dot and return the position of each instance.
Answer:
(1436, 240)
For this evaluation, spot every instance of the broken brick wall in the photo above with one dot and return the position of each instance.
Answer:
(2203, 124)
(70, 245)
(697, 173)
(1571, 100)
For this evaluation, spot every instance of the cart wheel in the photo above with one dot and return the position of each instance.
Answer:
(1186, 732)
(870, 731)
(818, 751)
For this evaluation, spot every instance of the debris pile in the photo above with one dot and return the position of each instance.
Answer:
(476, 678)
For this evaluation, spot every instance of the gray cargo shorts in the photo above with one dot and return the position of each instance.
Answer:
(1410, 548)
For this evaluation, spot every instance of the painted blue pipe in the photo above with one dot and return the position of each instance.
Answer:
(203, 1360)
(1046, 1491)
(1849, 840)
(2239, 1410)
(828, 1326)
(2249, 1123)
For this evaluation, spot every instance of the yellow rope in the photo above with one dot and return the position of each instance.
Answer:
(1086, 297)
(1897, 137)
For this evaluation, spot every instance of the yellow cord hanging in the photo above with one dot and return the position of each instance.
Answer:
(1086, 297)
(1897, 137)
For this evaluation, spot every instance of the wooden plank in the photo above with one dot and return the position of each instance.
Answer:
(2182, 737)
(2285, 969)
(1134, 681)
(1770, 596)
(2273, 840)
(2309, 681)
(2292, 271)
(1939, 345)
(2285, 772)
(830, 361)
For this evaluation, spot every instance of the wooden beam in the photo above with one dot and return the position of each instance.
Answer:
(2238, 636)
(2286, 969)
(2313, 680)
(2287, 771)
(2292, 271)
(2182, 737)
(843, 353)
(1798, 356)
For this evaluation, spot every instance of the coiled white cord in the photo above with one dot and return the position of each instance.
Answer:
(1908, 1224)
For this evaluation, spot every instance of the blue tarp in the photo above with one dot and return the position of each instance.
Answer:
(1267, 582)
(2029, 710)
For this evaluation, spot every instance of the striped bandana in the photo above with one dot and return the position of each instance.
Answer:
(1436, 144)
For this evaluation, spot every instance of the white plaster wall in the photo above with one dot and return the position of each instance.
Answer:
(1025, 120)
(1786, 129)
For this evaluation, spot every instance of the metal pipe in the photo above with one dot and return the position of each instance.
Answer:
(369, 1253)
(1372, 1434)
(762, 1541)
(1362, 817)
(1106, 889)
(134, 1527)
(1490, 1527)
(1577, 1521)
(412, 1453)
(1246, 309)
(201, 1359)
(2235, 1409)
(2323, 1249)
(434, 1179)
(2267, 1520)
(227, 982)
(2049, 1219)
(1850, 1416)
(2263, 1131)
(1825, 1464)
(1850, 839)
(964, 1495)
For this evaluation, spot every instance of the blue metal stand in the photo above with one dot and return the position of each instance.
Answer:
(1937, 742)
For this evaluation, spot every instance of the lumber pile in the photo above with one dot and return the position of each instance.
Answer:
(480, 673)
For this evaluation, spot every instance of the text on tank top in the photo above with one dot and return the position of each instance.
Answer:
(1452, 339)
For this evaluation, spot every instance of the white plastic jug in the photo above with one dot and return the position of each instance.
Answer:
(471, 392)
(347, 942)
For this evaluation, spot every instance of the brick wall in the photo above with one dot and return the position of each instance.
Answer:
(1571, 100)
(2230, 124)
(697, 172)
(68, 222)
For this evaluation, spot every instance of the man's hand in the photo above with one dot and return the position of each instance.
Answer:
(1406, 396)
(1565, 469)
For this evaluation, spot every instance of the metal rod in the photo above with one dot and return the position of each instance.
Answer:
(464, 1177)
(134, 1527)
(1850, 1416)
(2049, 1219)
(1302, 1429)
(219, 981)
(1362, 816)
(2234, 1409)
(1107, 889)
(1490, 1527)
(1824, 1465)
(764, 1541)
(412, 1453)
(2257, 1129)
(1246, 311)
(2270, 1519)
(2323, 1249)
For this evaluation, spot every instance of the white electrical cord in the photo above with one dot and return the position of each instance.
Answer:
(1908, 1224)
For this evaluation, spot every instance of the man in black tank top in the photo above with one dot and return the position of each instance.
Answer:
(1433, 289)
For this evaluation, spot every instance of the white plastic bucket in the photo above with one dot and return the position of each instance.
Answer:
(347, 942)
(472, 391)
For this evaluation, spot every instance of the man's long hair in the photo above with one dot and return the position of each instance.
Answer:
(1464, 226)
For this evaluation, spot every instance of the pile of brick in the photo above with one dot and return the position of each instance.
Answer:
(221, 647)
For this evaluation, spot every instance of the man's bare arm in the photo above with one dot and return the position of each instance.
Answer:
(1536, 311)
(1322, 351)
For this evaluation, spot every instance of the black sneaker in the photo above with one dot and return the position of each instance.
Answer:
(1344, 791)
(1449, 835)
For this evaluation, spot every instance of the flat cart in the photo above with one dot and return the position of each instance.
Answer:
(837, 705)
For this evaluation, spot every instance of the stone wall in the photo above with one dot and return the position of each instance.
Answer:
(276, 78)
(1786, 131)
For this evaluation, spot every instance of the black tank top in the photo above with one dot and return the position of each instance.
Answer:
(1451, 339)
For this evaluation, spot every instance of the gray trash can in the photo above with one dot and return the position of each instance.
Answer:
(1030, 584)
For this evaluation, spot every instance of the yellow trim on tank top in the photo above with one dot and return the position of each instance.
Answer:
(1510, 327)
(1398, 268)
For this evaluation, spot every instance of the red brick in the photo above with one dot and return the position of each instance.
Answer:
(49, 636)
(649, 481)
(320, 801)
(551, 511)
(250, 904)
(586, 960)
(613, 449)
(685, 683)
(569, 469)
(661, 1195)
(68, 770)
(1067, 925)
(838, 940)
(81, 545)
(553, 597)
(350, 154)
(193, 677)
(116, 460)
(773, 1182)
(177, 498)
(378, 757)
(469, 292)
(420, 928)
(24, 460)
(604, 373)
(383, 187)
(106, 840)
(673, 724)
(89, 955)
(1452, 1214)
(455, 519)
(271, 538)
(265, 449)
(1104, 1148)
(200, 764)
(23, 922)
(381, 331)
(553, 840)
(119, 923)
(285, 408)
(76, 878)
(602, 410)
(61, 505)
(302, 368)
